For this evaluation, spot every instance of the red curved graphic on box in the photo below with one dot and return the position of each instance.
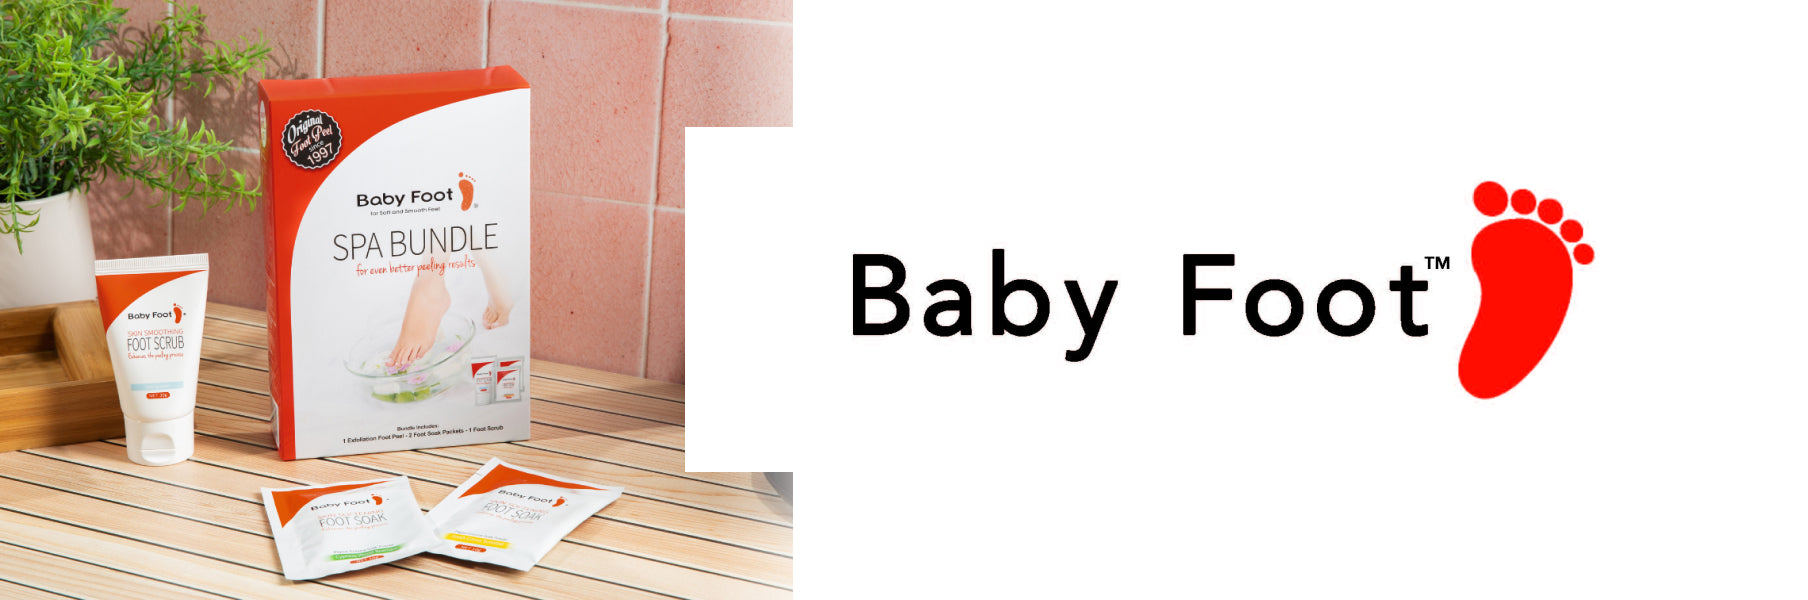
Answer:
(120, 291)
(503, 476)
(290, 502)
(362, 107)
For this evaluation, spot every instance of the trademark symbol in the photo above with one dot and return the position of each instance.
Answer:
(1437, 263)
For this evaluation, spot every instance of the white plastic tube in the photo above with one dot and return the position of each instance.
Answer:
(153, 309)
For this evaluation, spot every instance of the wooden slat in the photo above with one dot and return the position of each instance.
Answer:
(609, 424)
(31, 368)
(669, 579)
(236, 377)
(642, 456)
(55, 467)
(227, 312)
(748, 533)
(238, 333)
(652, 409)
(28, 321)
(76, 579)
(246, 515)
(14, 591)
(613, 381)
(82, 341)
(256, 406)
(132, 556)
(233, 353)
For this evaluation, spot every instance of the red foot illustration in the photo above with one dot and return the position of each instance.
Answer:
(466, 185)
(1525, 272)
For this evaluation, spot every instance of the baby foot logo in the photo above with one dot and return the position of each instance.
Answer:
(377, 499)
(1526, 278)
(468, 187)
(177, 308)
(1525, 262)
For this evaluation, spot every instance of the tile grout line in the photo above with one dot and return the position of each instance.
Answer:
(320, 38)
(664, 10)
(574, 4)
(169, 211)
(646, 292)
(676, 209)
(743, 20)
(484, 39)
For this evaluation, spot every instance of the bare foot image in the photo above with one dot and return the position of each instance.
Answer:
(427, 303)
(497, 313)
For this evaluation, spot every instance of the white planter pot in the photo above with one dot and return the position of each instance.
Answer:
(58, 263)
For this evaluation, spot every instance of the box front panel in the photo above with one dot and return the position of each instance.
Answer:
(409, 268)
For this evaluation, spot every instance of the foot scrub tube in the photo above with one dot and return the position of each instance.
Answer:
(153, 309)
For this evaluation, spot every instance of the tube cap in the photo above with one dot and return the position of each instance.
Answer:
(160, 443)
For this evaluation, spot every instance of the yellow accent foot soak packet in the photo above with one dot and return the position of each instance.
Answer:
(510, 516)
(325, 529)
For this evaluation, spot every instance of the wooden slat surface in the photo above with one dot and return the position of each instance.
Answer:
(15, 591)
(83, 521)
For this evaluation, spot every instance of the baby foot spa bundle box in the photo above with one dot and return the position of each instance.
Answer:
(398, 260)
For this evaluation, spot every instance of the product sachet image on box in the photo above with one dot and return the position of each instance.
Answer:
(398, 232)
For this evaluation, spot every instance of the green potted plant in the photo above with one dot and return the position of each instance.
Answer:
(78, 99)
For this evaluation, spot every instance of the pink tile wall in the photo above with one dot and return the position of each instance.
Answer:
(126, 220)
(595, 74)
(720, 74)
(403, 36)
(615, 84)
(590, 287)
(766, 10)
(665, 316)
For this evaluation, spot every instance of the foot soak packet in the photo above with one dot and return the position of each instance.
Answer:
(326, 529)
(511, 516)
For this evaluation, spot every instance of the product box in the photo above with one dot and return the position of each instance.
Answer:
(398, 245)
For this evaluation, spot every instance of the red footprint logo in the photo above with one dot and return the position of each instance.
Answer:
(178, 309)
(377, 499)
(467, 186)
(560, 502)
(1526, 277)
